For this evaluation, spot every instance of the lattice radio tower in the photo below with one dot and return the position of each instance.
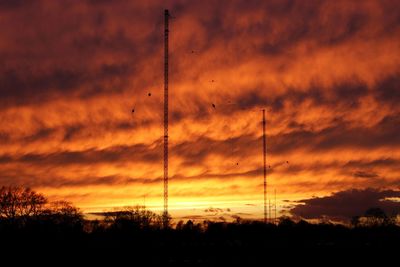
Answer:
(166, 32)
(265, 168)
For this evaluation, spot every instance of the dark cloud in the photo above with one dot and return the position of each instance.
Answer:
(388, 90)
(12, 4)
(346, 94)
(383, 162)
(365, 174)
(309, 20)
(227, 175)
(72, 38)
(236, 149)
(40, 135)
(348, 26)
(54, 181)
(214, 210)
(344, 205)
(63, 50)
(341, 135)
(117, 154)
(72, 131)
(26, 87)
(363, 170)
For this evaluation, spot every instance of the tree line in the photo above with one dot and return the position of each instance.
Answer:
(19, 205)
(28, 220)
(23, 203)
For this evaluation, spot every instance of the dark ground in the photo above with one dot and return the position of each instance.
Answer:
(224, 244)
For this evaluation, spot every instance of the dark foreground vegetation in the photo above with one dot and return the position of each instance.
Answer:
(28, 222)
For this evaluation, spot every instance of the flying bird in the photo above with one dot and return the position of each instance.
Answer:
(133, 110)
(213, 105)
(149, 94)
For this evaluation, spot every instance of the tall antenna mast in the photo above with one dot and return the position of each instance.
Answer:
(269, 207)
(265, 169)
(166, 31)
(275, 208)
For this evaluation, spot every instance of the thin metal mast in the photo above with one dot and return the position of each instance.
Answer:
(275, 209)
(265, 169)
(270, 213)
(166, 32)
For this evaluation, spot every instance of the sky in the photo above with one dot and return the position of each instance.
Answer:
(326, 72)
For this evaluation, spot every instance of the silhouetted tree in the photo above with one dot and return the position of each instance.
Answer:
(237, 218)
(165, 220)
(188, 226)
(376, 217)
(179, 225)
(285, 221)
(18, 202)
(134, 217)
(355, 221)
(64, 212)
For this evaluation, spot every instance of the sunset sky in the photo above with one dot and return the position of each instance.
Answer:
(327, 73)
